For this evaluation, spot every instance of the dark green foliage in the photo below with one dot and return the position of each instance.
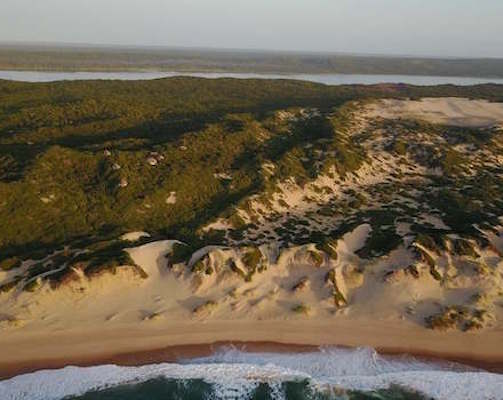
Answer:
(434, 241)
(471, 200)
(301, 309)
(457, 316)
(253, 259)
(62, 277)
(383, 237)
(452, 162)
(339, 299)
(463, 247)
(315, 257)
(412, 270)
(109, 260)
(199, 267)
(7, 287)
(380, 241)
(400, 147)
(239, 271)
(202, 267)
(434, 272)
(180, 253)
(32, 286)
(236, 221)
(10, 263)
(58, 186)
(329, 247)
(465, 135)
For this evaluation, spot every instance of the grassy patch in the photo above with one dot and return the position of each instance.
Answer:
(301, 309)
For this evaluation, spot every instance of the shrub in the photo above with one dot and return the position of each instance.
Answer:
(433, 243)
(434, 272)
(205, 308)
(400, 147)
(381, 241)
(329, 247)
(338, 297)
(32, 286)
(9, 286)
(301, 309)
(447, 319)
(315, 257)
(412, 270)
(301, 285)
(253, 259)
(234, 268)
(10, 263)
(180, 253)
(202, 266)
(463, 247)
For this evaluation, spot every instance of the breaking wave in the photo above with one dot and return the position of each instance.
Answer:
(230, 373)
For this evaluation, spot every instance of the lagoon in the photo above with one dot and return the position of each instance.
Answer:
(327, 79)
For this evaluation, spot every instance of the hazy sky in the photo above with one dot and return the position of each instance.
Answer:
(413, 27)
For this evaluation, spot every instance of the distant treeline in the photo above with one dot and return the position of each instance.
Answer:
(67, 58)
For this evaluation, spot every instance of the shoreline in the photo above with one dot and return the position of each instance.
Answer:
(131, 346)
(330, 79)
(173, 354)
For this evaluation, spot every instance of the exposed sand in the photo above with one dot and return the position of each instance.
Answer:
(139, 344)
(448, 111)
(134, 236)
(92, 321)
(123, 314)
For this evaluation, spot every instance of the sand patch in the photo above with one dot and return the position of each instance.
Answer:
(447, 111)
(134, 236)
(171, 199)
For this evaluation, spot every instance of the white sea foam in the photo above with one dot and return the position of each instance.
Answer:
(235, 374)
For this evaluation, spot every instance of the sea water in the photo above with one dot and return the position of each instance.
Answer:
(230, 373)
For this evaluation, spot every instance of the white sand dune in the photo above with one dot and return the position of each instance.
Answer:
(448, 110)
(134, 236)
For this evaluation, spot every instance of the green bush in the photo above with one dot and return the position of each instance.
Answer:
(253, 259)
(329, 247)
(10, 263)
(301, 309)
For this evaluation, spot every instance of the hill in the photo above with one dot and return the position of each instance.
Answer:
(250, 199)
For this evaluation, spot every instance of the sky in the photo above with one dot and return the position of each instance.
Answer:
(463, 28)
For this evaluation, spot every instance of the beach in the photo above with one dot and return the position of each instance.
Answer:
(128, 320)
(30, 351)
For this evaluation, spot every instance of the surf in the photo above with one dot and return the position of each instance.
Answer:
(233, 373)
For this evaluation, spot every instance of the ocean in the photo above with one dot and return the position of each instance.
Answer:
(230, 373)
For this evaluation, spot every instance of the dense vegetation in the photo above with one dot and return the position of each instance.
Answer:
(85, 162)
(88, 58)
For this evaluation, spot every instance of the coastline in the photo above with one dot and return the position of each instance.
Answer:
(31, 352)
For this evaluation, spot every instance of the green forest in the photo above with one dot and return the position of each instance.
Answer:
(85, 161)
(108, 58)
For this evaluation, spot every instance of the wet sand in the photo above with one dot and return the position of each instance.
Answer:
(31, 352)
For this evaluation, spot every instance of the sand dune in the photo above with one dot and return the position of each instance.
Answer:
(293, 293)
(447, 111)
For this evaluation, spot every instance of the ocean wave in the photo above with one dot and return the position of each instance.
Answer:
(235, 374)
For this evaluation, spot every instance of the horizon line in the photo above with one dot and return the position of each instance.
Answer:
(111, 46)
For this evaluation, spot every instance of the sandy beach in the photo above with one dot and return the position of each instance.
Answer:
(30, 351)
